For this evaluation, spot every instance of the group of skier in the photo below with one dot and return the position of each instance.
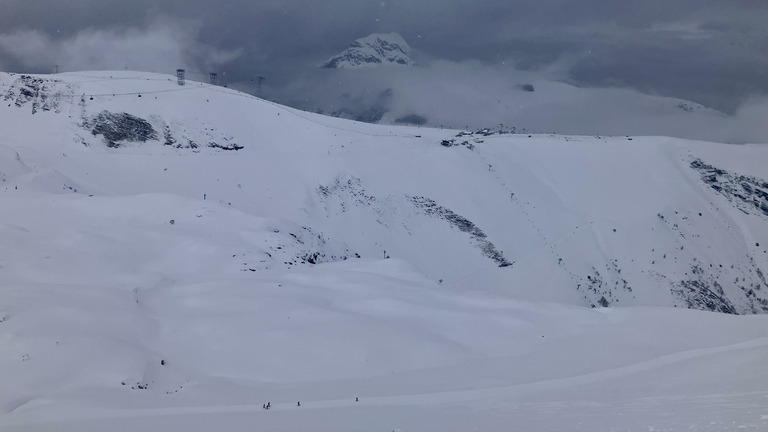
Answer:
(268, 405)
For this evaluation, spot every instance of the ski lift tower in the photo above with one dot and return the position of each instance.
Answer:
(180, 76)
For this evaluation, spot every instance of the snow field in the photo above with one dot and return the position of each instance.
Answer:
(150, 287)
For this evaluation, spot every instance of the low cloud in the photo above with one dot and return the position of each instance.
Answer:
(476, 95)
(749, 124)
(162, 46)
(561, 50)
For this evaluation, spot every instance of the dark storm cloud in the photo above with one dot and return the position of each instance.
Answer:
(714, 52)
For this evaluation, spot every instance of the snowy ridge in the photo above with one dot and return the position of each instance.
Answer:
(450, 280)
(611, 236)
(372, 51)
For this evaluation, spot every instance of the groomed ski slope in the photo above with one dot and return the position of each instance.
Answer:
(150, 287)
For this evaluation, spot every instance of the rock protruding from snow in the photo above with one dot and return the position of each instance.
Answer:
(371, 51)
(122, 127)
(431, 208)
(748, 194)
(38, 92)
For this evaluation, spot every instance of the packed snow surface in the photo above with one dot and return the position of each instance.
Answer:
(174, 257)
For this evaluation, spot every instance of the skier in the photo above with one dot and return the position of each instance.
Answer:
(298, 403)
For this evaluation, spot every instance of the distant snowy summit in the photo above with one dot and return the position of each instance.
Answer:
(371, 51)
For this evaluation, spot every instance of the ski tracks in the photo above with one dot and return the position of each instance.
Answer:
(475, 397)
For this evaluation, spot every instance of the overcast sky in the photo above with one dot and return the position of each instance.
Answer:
(711, 51)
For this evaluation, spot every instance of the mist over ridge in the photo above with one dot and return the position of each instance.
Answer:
(476, 52)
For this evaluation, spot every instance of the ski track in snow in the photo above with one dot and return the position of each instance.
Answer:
(115, 258)
(475, 397)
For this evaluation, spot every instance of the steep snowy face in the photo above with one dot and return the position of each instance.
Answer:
(372, 51)
(590, 221)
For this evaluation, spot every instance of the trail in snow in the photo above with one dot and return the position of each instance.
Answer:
(474, 397)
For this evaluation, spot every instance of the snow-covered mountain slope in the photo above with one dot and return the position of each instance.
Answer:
(583, 220)
(175, 256)
(372, 51)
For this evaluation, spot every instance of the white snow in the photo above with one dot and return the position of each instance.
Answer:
(149, 287)
(388, 49)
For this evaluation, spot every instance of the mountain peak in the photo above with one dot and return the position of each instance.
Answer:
(374, 50)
